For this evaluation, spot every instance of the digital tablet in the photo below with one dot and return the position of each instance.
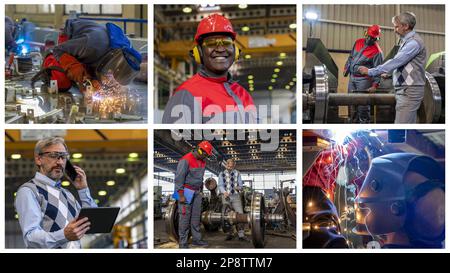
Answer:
(102, 219)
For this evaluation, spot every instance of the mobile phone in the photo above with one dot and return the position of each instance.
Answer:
(70, 171)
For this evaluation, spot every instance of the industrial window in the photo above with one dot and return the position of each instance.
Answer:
(115, 10)
(35, 9)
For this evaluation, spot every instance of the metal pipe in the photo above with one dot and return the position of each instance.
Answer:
(336, 99)
(337, 22)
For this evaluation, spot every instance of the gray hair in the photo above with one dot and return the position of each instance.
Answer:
(231, 160)
(405, 18)
(48, 141)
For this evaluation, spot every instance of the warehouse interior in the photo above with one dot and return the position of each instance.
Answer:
(32, 98)
(266, 35)
(327, 147)
(115, 162)
(270, 172)
(329, 33)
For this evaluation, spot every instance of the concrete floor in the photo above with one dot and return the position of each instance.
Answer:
(217, 239)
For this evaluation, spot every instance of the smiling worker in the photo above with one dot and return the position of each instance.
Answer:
(211, 96)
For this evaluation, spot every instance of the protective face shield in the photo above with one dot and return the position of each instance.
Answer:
(386, 201)
(122, 64)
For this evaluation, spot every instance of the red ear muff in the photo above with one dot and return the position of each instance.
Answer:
(200, 152)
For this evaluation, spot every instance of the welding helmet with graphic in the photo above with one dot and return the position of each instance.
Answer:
(122, 61)
(390, 200)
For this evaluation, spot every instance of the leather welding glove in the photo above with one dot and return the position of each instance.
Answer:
(96, 85)
(74, 69)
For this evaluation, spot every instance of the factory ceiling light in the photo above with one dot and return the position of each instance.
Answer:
(276, 70)
(273, 80)
(77, 155)
(187, 9)
(111, 183)
(102, 193)
(274, 76)
(65, 183)
(242, 6)
(279, 63)
(245, 28)
(270, 87)
(250, 81)
(282, 55)
(250, 77)
(248, 56)
(291, 83)
(16, 156)
(120, 170)
(293, 26)
(287, 87)
(133, 155)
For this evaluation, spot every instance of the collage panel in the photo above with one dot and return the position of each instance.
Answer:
(225, 189)
(380, 188)
(76, 189)
(225, 64)
(76, 64)
(374, 64)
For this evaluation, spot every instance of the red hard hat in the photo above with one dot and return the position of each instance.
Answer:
(206, 146)
(374, 31)
(214, 23)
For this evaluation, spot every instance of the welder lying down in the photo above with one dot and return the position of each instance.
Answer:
(401, 203)
(90, 54)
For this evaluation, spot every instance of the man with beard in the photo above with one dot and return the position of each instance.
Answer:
(211, 96)
(230, 186)
(47, 212)
(407, 68)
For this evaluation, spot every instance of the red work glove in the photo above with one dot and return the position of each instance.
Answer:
(96, 85)
(74, 69)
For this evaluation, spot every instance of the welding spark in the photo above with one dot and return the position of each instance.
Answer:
(112, 99)
(352, 152)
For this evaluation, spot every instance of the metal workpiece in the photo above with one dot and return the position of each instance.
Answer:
(337, 99)
(124, 106)
(257, 223)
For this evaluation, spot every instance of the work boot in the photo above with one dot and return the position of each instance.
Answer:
(185, 246)
(229, 237)
(200, 243)
(244, 239)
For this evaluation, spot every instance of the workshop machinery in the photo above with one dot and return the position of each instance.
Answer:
(321, 97)
(217, 215)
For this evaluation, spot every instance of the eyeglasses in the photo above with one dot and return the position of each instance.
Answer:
(215, 42)
(56, 155)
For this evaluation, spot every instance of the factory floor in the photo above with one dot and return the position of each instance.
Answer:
(217, 239)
